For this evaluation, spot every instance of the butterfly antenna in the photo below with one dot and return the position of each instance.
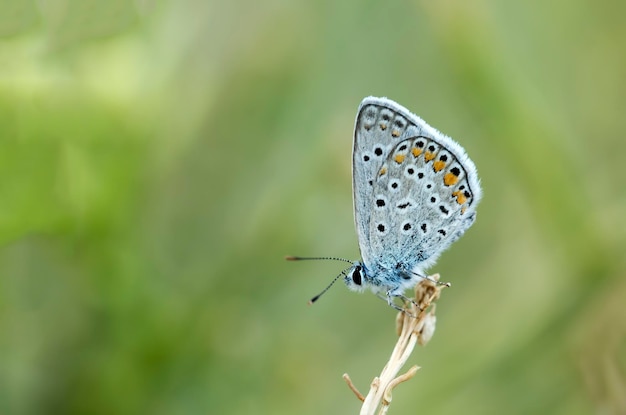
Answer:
(314, 299)
(330, 258)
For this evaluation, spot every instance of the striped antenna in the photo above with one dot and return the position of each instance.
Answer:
(323, 258)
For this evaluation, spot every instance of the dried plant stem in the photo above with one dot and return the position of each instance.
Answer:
(416, 325)
(358, 394)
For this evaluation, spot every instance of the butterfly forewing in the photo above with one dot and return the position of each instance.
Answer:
(378, 129)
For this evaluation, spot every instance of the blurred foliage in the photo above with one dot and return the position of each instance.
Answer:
(159, 158)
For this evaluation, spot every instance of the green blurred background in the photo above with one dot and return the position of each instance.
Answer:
(158, 158)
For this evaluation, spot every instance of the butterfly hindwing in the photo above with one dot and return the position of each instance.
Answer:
(417, 209)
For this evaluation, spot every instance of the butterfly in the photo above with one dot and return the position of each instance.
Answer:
(415, 192)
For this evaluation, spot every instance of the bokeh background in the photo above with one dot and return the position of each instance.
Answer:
(158, 159)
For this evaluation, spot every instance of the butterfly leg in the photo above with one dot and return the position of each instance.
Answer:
(391, 296)
(389, 301)
(405, 299)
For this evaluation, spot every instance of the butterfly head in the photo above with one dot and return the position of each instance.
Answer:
(355, 277)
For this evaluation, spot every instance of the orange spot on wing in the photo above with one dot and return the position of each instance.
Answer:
(460, 197)
(438, 165)
(463, 209)
(428, 156)
(449, 179)
(382, 171)
(395, 133)
(416, 151)
(399, 158)
(383, 126)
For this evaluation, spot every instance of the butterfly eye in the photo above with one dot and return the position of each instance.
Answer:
(356, 275)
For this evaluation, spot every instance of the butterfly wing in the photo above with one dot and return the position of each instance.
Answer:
(415, 189)
(378, 128)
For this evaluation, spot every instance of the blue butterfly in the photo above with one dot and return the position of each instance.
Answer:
(415, 192)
